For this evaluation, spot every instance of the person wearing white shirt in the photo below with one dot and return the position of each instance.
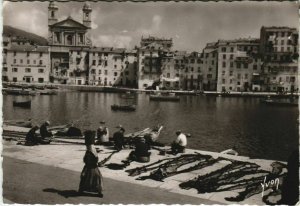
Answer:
(178, 146)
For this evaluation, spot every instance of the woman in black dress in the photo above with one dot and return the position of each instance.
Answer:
(91, 178)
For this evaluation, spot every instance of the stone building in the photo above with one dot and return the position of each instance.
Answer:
(209, 57)
(279, 49)
(63, 37)
(192, 75)
(239, 65)
(112, 67)
(27, 63)
(150, 56)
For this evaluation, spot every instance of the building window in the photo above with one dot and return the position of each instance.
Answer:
(223, 49)
(14, 69)
(94, 61)
(231, 64)
(223, 72)
(230, 81)
(239, 76)
(223, 81)
(115, 74)
(238, 65)
(287, 79)
(41, 70)
(41, 62)
(212, 62)
(34, 61)
(15, 79)
(105, 72)
(231, 56)
(254, 67)
(282, 42)
(28, 61)
(99, 71)
(70, 40)
(245, 65)
(115, 66)
(15, 61)
(168, 75)
(21, 61)
(224, 64)
(27, 70)
(231, 73)
(40, 80)
(28, 54)
(5, 69)
(224, 56)
(15, 53)
(77, 61)
(231, 49)
(246, 76)
(41, 54)
(81, 38)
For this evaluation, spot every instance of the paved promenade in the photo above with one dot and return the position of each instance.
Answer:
(67, 159)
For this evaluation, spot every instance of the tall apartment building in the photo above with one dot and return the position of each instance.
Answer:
(150, 56)
(27, 63)
(238, 65)
(279, 48)
(193, 74)
(209, 57)
(113, 67)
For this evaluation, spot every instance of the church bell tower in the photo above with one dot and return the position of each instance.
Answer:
(87, 21)
(52, 13)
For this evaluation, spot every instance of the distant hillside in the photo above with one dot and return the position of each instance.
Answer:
(14, 32)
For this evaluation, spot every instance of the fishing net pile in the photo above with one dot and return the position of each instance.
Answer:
(244, 177)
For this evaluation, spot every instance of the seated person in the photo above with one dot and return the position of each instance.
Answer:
(178, 146)
(33, 139)
(141, 152)
(31, 136)
(118, 139)
(44, 130)
(102, 135)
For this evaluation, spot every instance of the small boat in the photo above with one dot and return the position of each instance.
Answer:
(116, 107)
(51, 87)
(48, 92)
(19, 123)
(14, 91)
(280, 102)
(164, 97)
(24, 104)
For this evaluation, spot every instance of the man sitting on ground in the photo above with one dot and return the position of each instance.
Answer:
(119, 139)
(44, 130)
(31, 137)
(178, 146)
(141, 152)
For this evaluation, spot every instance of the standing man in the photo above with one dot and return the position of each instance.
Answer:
(178, 146)
(119, 139)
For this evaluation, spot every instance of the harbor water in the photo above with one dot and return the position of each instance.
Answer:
(215, 123)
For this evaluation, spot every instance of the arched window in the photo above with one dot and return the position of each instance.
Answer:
(70, 40)
(52, 14)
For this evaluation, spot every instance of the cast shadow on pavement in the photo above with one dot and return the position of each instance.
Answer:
(69, 193)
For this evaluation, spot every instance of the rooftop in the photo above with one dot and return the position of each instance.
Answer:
(29, 48)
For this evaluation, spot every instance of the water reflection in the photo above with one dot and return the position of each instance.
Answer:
(215, 123)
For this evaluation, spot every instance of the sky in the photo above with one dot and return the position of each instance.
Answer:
(190, 24)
